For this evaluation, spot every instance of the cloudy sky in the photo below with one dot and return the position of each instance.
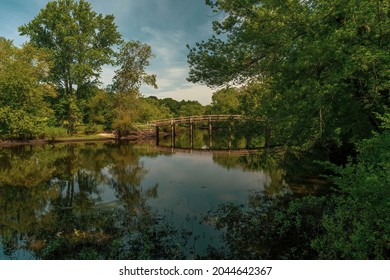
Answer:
(166, 25)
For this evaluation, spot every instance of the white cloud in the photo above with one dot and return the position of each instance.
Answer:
(107, 74)
(171, 78)
(197, 92)
(165, 53)
(164, 83)
(147, 29)
(166, 45)
(177, 71)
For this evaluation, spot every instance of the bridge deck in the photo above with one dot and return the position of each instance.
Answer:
(195, 119)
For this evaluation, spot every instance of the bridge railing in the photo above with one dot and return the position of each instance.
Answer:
(193, 119)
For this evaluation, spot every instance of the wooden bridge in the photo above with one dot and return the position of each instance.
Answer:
(209, 119)
(152, 129)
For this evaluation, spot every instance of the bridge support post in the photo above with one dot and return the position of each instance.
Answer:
(230, 137)
(267, 136)
(157, 135)
(247, 141)
(210, 134)
(191, 134)
(173, 133)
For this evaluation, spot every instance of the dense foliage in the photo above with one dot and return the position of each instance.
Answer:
(23, 109)
(318, 66)
(359, 227)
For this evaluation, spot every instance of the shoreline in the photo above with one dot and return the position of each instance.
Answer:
(76, 139)
(101, 137)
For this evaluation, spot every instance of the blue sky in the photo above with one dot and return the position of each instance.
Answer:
(166, 25)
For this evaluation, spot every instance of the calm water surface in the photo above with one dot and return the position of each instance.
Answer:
(122, 201)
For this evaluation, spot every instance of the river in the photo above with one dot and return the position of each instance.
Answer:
(110, 200)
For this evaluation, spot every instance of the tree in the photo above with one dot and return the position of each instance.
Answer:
(173, 105)
(23, 110)
(80, 42)
(132, 58)
(324, 62)
(191, 108)
(101, 108)
(151, 109)
(226, 101)
(126, 111)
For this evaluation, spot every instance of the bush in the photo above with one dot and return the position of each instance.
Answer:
(93, 129)
(51, 133)
(359, 228)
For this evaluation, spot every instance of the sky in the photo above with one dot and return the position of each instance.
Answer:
(166, 25)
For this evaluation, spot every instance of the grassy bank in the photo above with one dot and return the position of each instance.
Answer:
(70, 138)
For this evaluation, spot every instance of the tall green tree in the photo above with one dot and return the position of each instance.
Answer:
(325, 63)
(80, 42)
(79, 39)
(132, 59)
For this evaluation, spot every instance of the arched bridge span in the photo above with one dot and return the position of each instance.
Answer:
(191, 121)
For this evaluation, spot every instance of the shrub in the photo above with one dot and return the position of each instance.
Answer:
(93, 129)
(51, 133)
(359, 228)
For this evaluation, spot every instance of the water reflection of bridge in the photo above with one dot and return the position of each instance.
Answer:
(191, 121)
(238, 152)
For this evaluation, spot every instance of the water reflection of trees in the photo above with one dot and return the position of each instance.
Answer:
(276, 223)
(59, 215)
(274, 185)
(61, 212)
(25, 166)
(126, 175)
(268, 228)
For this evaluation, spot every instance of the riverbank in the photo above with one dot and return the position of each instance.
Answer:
(71, 139)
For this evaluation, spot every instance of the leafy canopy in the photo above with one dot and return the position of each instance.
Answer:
(79, 39)
(324, 64)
